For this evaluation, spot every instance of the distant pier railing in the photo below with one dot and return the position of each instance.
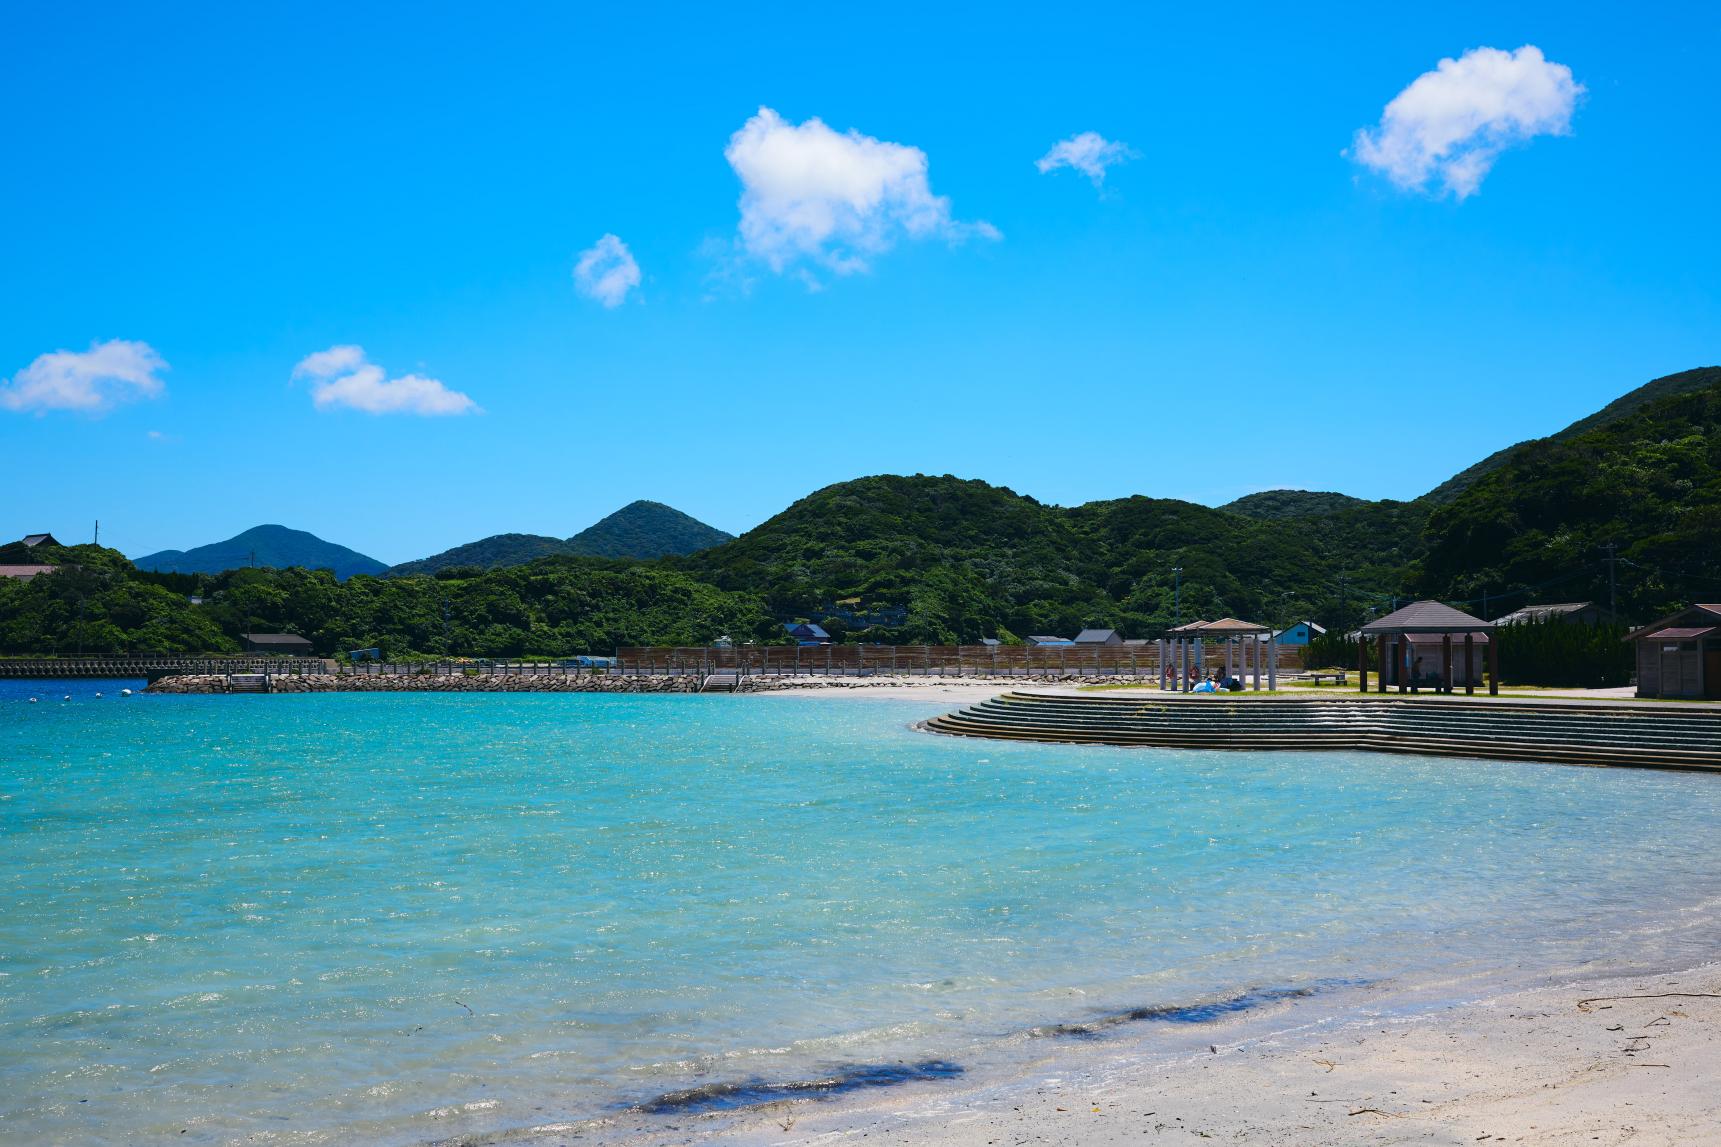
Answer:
(152, 667)
(924, 660)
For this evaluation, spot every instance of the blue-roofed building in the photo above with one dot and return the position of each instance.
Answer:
(806, 632)
(1299, 634)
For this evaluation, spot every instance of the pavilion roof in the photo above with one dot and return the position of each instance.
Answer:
(1187, 627)
(1699, 614)
(1230, 626)
(1427, 617)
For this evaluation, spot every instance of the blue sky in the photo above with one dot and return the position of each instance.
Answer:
(1242, 303)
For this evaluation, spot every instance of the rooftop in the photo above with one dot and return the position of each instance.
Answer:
(1426, 617)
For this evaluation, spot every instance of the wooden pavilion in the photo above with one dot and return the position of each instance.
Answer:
(1244, 644)
(1399, 634)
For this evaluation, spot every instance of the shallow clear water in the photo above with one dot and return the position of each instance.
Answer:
(321, 919)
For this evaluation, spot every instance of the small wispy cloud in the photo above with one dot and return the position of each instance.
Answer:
(811, 195)
(342, 377)
(1089, 153)
(1451, 124)
(606, 271)
(92, 381)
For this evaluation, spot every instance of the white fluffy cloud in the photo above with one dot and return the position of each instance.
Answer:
(1451, 124)
(835, 200)
(1089, 153)
(340, 376)
(606, 271)
(92, 381)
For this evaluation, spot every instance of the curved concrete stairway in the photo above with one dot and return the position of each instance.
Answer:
(1667, 736)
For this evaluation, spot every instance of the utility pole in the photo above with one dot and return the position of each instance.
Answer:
(1177, 596)
(1612, 595)
(97, 540)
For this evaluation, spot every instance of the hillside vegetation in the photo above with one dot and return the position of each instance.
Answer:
(637, 530)
(948, 559)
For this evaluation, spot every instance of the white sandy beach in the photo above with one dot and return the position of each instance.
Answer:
(1537, 1067)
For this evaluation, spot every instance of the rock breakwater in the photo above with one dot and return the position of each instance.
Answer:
(598, 683)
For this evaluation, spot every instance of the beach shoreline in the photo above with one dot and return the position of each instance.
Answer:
(1610, 1060)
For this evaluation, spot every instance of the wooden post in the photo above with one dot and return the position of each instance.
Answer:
(1402, 651)
(1362, 663)
(1493, 665)
(1381, 644)
(1446, 663)
(1183, 665)
(1470, 665)
(1272, 662)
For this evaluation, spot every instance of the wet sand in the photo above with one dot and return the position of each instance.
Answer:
(1549, 1066)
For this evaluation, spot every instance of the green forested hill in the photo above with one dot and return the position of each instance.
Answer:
(1293, 504)
(645, 530)
(637, 530)
(486, 553)
(275, 546)
(1666, 386)
(1648, 481)
(969, 559)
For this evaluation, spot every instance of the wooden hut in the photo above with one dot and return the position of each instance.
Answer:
(1680, 655)
(288, 643)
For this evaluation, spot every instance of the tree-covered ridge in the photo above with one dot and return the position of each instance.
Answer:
(274, 546)
(946, 559)
(486, 553)
(646, 530)
(1539, 525)
(1667, 386)
(1293, 504)
(972, 560)
(637, 530)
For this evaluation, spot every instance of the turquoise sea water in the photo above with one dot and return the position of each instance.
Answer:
(374, 918)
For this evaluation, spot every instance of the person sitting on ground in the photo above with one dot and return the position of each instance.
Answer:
(1207, 686)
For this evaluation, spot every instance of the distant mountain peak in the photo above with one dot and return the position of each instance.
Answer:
(278, 546)
(1291, 504)
(640, 529)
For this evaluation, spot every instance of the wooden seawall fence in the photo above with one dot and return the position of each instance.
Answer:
(153, 667)
(920, 660)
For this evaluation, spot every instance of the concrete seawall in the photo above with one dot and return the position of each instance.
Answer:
(1554, 732)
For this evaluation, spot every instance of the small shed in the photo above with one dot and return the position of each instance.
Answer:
(1099, 637)
(1044, 639)
(287, 643)
(1569, 612)
(31, 541)
(806, 632)
(1299, 634)
(1680, 655)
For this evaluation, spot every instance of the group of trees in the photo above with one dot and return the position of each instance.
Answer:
(97, 603)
